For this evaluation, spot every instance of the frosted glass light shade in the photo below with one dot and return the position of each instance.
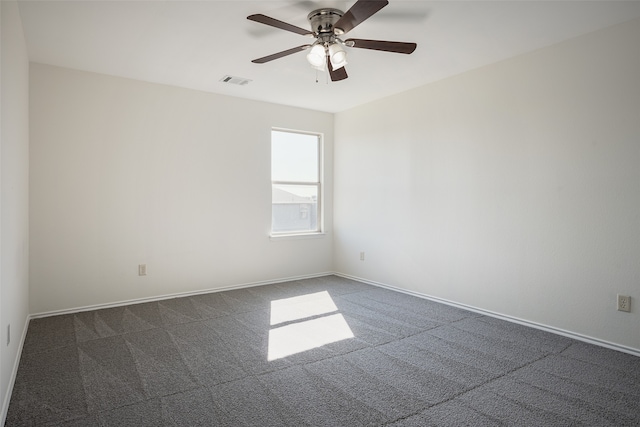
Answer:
(316, 56)
(338, 56)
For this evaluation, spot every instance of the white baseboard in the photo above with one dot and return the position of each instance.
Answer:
(14, 373)
(554, 330)
(174, 295)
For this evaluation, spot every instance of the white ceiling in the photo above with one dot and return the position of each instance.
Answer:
(193, 44)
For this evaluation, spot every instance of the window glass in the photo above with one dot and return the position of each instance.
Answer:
(294, 157)
(295, 182)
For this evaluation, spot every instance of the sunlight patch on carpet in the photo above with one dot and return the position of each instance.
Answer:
(305, 330)
(303, 336)
(301, 307)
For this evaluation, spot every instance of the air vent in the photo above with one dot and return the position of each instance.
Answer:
(235, 80)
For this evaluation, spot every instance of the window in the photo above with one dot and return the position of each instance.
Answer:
(295, 182)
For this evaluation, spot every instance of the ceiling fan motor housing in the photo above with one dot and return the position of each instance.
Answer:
(322, 22)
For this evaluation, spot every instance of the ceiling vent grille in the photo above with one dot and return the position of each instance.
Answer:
(235, 80)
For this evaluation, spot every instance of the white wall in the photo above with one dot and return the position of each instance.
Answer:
(14, 202)
(126, 173)
(513, 188)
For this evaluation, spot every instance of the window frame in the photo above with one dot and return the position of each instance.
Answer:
(319, 230)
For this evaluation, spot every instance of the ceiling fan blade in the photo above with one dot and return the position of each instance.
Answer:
(264, 19)
(386, 46)
(336, 75)
(281, 54)
(359, 12)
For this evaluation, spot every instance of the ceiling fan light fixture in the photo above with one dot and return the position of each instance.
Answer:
(337, 56)
(327, 25)
(316, 56)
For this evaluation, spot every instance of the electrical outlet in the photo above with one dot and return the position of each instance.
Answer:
(624, 303)
(142, 269)
(361, 256)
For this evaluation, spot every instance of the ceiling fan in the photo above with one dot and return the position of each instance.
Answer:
(327, 25)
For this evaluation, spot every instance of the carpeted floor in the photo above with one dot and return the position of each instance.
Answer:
(254, 357)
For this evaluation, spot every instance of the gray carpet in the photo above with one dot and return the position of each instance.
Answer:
(202, 361)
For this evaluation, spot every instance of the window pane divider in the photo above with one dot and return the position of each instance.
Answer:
(295, 182)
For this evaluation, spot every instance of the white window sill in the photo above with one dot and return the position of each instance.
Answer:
(296, 236)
